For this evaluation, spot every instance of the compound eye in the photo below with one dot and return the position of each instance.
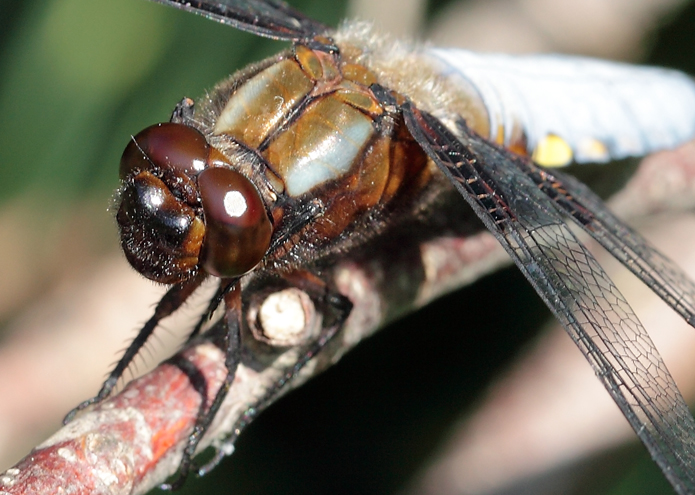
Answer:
(237, 227)
(166, 148)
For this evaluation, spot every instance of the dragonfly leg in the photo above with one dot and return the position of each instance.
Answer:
(335, 308)
(171, 301)
(231, 343)
(183, 112)
(222, 290)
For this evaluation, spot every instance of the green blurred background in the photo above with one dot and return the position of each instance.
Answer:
(78, 77)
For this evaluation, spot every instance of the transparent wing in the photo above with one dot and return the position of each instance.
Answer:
(533, 230)
(663, 276)
(268, 18)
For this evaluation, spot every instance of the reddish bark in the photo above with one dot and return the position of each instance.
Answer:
(128, 443)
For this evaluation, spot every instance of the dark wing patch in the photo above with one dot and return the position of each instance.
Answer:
(533, 229)
(268, 18)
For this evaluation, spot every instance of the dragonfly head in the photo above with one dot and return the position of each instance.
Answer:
(183, 208)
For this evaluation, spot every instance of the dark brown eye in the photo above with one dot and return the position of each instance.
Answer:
(237, 227)
(161, 234)
(166, 148)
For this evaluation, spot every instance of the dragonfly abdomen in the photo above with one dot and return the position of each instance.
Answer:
(564, 109)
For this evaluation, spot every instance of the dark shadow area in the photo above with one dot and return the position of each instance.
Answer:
(367, 424)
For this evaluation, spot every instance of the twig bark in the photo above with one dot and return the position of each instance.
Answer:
(121, 445)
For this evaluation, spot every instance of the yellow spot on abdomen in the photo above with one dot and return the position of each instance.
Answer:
(552, 151)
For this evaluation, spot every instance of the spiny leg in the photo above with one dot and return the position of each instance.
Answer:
(170, 302)
(232, 346)
(336, 308)
(222, 290)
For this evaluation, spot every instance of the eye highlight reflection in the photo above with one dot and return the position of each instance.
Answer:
(235, 204)
(237, 227)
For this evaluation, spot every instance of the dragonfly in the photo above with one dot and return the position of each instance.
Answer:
(338, 140)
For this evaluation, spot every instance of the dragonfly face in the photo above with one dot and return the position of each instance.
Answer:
(183, 208)
(325, 147)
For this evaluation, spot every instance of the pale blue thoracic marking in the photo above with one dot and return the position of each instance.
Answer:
(330, 159)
